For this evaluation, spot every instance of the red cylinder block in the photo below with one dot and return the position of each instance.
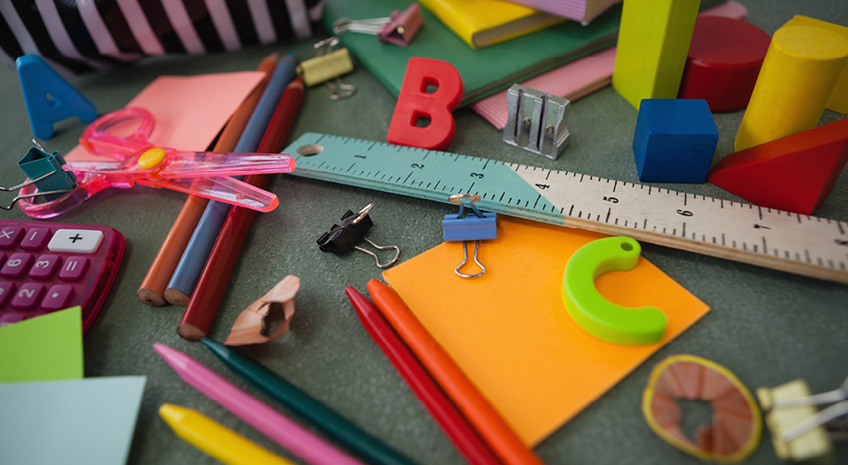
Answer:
(724, 60)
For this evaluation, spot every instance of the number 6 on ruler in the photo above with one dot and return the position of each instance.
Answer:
(417, 104)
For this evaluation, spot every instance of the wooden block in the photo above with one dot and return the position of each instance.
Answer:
(674, 141)
(723, 62)
(653, 40)
(838, 100)
(795, 82)
(795, 173)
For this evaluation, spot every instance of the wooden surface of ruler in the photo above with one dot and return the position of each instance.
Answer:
(791, 242)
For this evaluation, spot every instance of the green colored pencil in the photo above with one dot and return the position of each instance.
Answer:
(306, 406)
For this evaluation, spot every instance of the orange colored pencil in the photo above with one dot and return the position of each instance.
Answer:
(152, 288)
(203, 306)
(501, 439)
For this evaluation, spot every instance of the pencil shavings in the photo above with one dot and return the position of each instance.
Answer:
(268, 318)
(736, 427)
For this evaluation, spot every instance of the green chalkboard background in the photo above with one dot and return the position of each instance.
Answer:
(766, 326)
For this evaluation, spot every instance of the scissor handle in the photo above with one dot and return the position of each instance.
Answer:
(99, 138)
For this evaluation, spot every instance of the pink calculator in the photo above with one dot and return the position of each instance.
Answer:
(47, 266)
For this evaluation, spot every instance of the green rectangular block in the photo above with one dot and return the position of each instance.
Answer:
(653, 42)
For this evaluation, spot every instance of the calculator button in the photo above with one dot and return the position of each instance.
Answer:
(27, 295)
(16, 265)
(57, 297)
(75, 240)
(73, 269)
(35, 238)
(6, 289)
(9, 236)
(44, 266)
(11, 317)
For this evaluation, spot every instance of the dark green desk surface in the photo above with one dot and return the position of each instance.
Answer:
(766, 326)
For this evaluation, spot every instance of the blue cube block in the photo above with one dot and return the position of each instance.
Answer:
(675, 140)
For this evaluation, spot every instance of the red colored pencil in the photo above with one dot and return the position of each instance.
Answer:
(152, 288)
(493, 429)
(452, 422)
(201, 310)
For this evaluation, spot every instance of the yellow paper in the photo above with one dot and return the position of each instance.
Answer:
(510, 333)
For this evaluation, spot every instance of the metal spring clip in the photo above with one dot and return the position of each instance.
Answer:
(469, 228)
(398, 29)
(341, 238)
(327, 66)
(799, 431)
(45, 171)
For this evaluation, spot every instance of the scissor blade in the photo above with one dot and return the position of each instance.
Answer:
(198, 164)
(224, 189)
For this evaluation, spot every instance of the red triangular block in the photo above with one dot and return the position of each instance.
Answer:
(795, 173)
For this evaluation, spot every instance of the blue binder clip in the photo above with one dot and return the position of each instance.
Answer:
(464, 227)
(45, 171)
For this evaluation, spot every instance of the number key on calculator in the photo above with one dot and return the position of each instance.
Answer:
(48, 266)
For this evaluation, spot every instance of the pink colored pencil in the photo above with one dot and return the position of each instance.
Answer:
(263, 418)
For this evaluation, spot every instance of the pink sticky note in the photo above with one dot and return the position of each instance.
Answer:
(189, 110)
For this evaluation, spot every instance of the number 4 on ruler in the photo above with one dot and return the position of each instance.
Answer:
(801, 244)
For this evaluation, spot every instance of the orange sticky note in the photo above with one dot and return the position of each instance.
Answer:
(510, 333)
(189, 110)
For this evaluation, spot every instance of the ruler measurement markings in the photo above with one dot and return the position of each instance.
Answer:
(816, 238)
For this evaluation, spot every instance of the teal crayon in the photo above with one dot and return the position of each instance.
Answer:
(306, 406)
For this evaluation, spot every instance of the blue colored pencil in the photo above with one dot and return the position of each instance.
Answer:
(194, 256)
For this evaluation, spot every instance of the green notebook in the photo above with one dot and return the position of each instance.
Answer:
(484, 71)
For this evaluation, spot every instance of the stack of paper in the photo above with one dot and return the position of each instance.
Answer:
(50, 413)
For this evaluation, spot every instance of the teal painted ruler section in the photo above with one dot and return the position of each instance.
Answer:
(421, 173)
(739, 231)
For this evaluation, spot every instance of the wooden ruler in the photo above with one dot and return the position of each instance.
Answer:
(792, 242)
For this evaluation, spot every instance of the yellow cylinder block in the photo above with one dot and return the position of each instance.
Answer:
(795, 82)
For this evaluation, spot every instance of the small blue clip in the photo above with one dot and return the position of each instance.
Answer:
(464, 227)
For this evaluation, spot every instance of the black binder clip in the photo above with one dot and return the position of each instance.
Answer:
(341, 238)
(45, 171)
(464, 227)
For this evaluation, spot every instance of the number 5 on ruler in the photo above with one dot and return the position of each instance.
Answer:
(801, 244)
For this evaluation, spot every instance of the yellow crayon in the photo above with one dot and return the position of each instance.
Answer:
(216, 440)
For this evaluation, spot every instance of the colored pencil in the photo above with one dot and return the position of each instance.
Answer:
(216, 440)
(263, 418)
(455, 426)
(152, 288)
(206, 299)
(489, 424)
(306, 406)
(194, 256)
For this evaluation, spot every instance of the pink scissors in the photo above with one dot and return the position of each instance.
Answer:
(138, 161)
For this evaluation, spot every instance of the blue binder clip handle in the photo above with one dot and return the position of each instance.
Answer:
(467, 227)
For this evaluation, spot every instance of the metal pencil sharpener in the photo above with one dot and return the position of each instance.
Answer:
(536, 122)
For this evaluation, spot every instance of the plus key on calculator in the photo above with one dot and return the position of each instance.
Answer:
(47, 266)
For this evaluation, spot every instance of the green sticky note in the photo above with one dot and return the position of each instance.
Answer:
(45, 348)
